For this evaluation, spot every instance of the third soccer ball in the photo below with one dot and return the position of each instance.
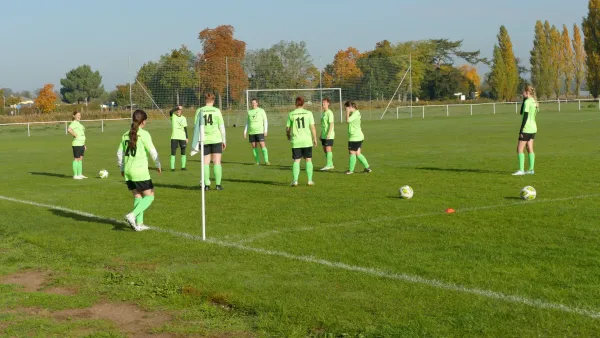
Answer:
(406, 192)
(528, 193)
(103, 173)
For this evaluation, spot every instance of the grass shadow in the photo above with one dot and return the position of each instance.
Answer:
(50, 174)
(240, 163)
(512, 198)
(461, 170)
(117, 225)
(178, 186)
(254, 182)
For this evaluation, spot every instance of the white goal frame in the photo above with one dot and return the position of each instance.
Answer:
(249, 91)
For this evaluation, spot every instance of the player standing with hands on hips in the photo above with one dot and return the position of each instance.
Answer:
(77, 130)
(300, 130)
(355, 138)
(179, 136)
(133, 161)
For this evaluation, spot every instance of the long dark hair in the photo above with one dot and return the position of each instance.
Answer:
(138, 117)
(350, 104)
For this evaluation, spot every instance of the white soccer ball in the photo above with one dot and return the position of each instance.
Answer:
(528, 193)
(406, 192)
(103, 173)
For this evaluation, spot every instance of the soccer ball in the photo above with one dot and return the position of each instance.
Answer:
(103, 173)
(528, 193)
(406, 192)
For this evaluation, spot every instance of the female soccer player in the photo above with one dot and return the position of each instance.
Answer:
(327, 133)
(133, 161)
(214, 140)
(179, 136)
(300, 129)
(529, 110)
(256, 127)
(355, 138)
(77, 130)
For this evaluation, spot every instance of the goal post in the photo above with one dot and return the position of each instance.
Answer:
(278, 102)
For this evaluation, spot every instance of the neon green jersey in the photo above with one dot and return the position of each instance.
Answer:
(326, 121)
(212, 122)
(79, 130)
(530, 107)
(355, 133)
(256, 121)
(136, 160)
(178, 125)
(299, 121)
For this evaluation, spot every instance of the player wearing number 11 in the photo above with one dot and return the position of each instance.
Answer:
(300, 130)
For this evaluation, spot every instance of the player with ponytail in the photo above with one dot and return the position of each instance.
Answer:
(133, 161)
(529, 110)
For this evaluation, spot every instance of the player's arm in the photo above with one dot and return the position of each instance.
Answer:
(330, 126)
(120, 158)
(173, 110)
(147, 139)
(246, 127)
(266, 123)
(350, 118)
(313, 130)
(222, 130)
(72, 132)
(288, 128)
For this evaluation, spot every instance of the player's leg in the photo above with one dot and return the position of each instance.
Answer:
(521, 156)
(146, 190)
(363, 160)
(207, 153)
(531, 156)
(183, 147)
(131, 218)
(307, 153)
(296, 156)
(352, 149)
(263, 147)
(80, 168)
(174, 144)
(216, 154)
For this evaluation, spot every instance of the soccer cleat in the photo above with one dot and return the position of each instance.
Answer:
(142, 227)
(82, 176)
(367, 170)
(256, 163)
(294, 184)
(325, 168)
(267, 163)
(172, 170)
(518, 173)
(183, 169)
(349, 172)
(77, 177)
(218, 187)
(311, 183)
(530, 172)
(130, 219)
(207, 188)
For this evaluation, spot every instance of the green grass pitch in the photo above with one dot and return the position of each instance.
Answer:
(347, 257)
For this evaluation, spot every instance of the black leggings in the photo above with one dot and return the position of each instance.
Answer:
(178, 143)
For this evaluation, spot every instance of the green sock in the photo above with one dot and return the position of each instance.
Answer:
(172, 162)
(296, 170)
(329, 156)
(309, 170)
(363, 161)
(143, 205)
(255, 153)
(183, 161)
(75, 168)
(139, 219)
(265, 154)
(352, 163)
(218, 173)
(521, 161)
(207, 174)
(79, 168)
(531, 161)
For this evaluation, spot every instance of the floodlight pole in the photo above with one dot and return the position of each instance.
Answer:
(410, 81)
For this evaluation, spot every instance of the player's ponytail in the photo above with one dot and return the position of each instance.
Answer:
(531, 90)
(138, 117)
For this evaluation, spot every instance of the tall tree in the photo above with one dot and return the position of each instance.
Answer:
(510, 65)
(46, 99)
(540, 60)
(176, 74)
(470, 73)
(498, 74)
(568, 61)
(81, 85)
(556, 52)
(297, 64)
(344, 72)
(220, 63)
(591, 44)
(579, 59)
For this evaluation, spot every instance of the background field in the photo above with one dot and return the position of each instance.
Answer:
(344, 257)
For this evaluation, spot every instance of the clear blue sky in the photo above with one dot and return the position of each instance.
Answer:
(44, 39)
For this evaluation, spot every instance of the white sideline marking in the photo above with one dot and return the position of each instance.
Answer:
(395, 218)
(537, 303)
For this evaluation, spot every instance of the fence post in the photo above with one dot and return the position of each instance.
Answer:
(397, 113)
(579, 104)
(471, 109)
(423, 111)
(516, 108)
(447, 111)
(559, 105)
(28, 132)
(494, 107)
(66, 128)
(102, 123)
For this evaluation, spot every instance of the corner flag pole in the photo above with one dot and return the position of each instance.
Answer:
(203, 206)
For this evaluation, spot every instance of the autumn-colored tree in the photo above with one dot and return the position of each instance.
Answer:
(591, 44)
(344, 71)
(568, 61)
(540, 59)
(510, 65)
(470, 73)
(556, 63)
(579, 59)
(220, 62)
(46, 99)
(498, 74)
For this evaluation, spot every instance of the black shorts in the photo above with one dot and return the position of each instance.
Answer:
(178, 144)
(214, 148)
(256, 138)
(78, 151)
(327, 142)
(526, 137)
(354, 146)
(140, 185)
(298, 153)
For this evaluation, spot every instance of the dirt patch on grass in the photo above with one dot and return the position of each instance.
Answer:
(127, 318)
(30, 280)
(61, 291)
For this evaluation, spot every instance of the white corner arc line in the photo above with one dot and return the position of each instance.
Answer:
(537, 303)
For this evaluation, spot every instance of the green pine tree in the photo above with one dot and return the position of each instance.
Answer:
(498, 74)
(591, 44)
(510, 65)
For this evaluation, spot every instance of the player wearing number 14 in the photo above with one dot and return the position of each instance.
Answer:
(300, 130)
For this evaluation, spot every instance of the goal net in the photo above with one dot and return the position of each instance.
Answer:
(277, 103)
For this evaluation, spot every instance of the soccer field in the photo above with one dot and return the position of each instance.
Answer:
(346, 257)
